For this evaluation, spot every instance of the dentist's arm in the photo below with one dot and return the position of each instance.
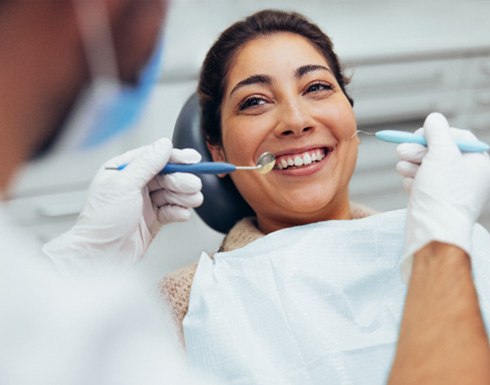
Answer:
(125, 209)
(442, 337)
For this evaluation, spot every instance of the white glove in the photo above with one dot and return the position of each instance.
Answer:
(447, 188)
(125, 209)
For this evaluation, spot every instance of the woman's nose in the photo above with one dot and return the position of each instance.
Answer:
(293, 120)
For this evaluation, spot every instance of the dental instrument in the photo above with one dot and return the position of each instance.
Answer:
(265, 163)
(395, 136)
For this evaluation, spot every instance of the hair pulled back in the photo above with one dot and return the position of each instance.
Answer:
(216, 65)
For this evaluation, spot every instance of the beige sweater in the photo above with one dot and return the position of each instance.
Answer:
(176, 286)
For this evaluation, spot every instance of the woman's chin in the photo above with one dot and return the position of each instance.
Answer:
(312, 211)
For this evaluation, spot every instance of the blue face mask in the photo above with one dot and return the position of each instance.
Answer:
(123, 104)
(107, 107)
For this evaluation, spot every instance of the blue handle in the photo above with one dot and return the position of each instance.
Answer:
(407, 137)
(199, 168)
(195, 168)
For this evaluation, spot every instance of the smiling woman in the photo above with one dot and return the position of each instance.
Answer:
(300, 293)
(286, 100)
(273, 83)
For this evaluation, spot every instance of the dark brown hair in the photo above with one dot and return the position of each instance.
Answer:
(216, 65)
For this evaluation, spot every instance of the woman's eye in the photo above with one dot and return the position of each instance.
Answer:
(319, 86)
(251, 102)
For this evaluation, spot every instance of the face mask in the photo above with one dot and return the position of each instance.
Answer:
(107, 107)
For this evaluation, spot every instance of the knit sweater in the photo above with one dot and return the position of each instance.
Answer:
(176, 286)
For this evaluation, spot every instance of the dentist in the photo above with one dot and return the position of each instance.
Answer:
(73, 74)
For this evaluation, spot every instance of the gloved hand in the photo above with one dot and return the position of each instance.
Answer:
(447, 188)
(124, 209)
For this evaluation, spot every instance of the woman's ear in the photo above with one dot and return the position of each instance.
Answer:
(358, 140)
(217, 153)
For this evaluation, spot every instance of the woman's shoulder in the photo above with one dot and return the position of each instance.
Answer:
(358, 210)
(176, 288)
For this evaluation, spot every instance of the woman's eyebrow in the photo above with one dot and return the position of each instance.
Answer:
(310, 68)
(264, 79)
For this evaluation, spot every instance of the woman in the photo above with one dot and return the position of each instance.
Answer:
(273, 83)
(313, 122)
(240, 125)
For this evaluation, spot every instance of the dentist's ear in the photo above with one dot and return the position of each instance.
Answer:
(217, 153)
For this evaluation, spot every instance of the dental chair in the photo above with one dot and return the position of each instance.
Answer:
(223, 206)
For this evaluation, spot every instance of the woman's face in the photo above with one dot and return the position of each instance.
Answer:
(281, 96)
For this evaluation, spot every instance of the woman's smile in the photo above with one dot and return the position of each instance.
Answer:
(302, 161)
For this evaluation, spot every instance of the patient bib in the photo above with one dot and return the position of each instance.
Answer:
(313, 304)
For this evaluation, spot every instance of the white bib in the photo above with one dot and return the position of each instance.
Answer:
(313, 304)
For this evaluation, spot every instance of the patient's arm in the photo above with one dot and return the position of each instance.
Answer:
(442, 337)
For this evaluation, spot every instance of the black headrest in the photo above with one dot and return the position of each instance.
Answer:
(223, 206)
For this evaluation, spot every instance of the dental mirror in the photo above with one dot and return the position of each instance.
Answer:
(265, 163)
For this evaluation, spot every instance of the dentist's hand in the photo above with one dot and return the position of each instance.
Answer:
(447, 188)
(125, 209)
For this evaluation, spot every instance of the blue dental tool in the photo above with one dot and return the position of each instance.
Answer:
(264, 164)
(407, 137)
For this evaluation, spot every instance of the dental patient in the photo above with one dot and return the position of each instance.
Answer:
(308, 290)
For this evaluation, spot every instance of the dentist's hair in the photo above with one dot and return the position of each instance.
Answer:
(217, 63)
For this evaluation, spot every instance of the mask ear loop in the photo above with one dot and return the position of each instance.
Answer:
(97, 39)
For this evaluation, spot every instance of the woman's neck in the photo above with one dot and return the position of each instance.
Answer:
(338, 211)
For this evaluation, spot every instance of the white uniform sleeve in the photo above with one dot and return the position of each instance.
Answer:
(101, 330)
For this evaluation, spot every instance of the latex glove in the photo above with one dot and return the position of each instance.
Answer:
(447, 188)
(410, 155)
(124, 209)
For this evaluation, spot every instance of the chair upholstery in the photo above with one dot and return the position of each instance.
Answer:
(223, 206)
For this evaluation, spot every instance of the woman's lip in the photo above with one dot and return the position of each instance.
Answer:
(304, 170)
(300, 150)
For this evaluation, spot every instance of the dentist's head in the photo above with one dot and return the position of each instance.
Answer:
(66, 67)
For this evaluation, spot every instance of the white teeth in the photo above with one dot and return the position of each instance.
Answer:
(301, 160)
(307, 159)
(319, 155)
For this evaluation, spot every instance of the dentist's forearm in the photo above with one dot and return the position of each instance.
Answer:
(442, 337)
